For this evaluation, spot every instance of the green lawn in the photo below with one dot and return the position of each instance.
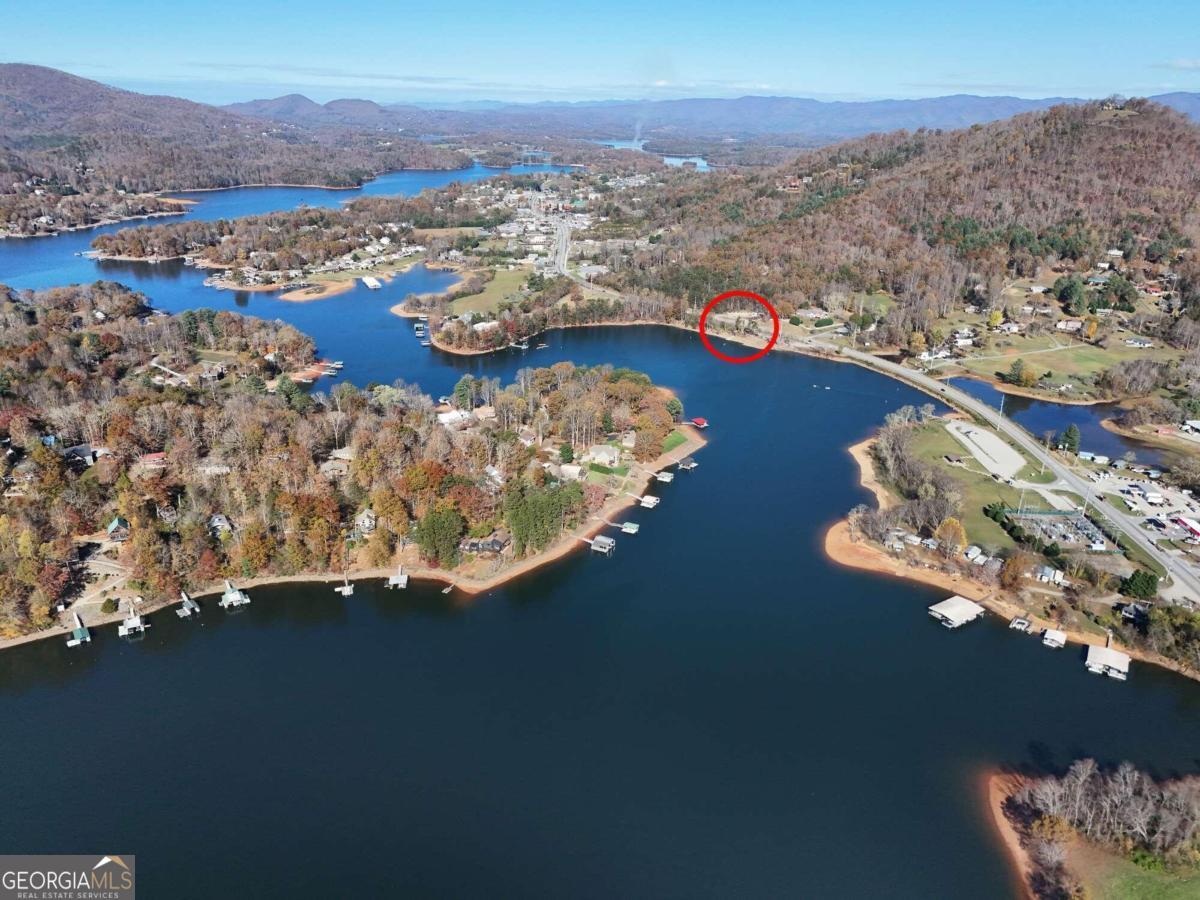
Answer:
(503, 286)
(1109, 877)
(932, 443)
(608, 470)
(673, 440)
(1076, 363)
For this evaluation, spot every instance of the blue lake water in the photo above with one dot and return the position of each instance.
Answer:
(700, 162)
(714, 711)
(1041, 416)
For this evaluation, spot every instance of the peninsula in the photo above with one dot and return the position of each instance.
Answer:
(175, 451)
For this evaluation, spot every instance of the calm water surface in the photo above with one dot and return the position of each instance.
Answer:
(714, 711)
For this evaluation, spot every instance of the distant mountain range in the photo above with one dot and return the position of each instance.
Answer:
(741, 117)
(71, 131)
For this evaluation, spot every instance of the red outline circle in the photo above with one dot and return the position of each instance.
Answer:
(739, 359)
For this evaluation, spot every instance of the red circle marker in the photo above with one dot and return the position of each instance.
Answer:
(739, 359)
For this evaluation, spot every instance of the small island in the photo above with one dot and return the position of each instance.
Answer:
(153, 454)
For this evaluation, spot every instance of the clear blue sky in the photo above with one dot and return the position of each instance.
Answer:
(220, 51)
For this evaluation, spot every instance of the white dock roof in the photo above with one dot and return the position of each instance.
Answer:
(1108, 658)
(956, 610)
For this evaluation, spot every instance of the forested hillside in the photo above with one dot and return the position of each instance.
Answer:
(63, 135)
(180, 445)
(933, 217)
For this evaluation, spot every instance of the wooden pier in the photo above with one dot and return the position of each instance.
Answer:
(399, 580)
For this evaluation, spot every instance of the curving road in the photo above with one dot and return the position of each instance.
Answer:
(1186, 581)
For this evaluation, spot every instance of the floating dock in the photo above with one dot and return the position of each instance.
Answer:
(399, 580)
(1054, 639)
(134, 625)
(1019, 624)
(1107, 661)
(233, 597)
(187, 606)
(956, 611)
(687, 464)
(371, 282)
(79, 634)
(630, 527)
(649, 501)
(601, 543)
(664, 476)
(346, 589)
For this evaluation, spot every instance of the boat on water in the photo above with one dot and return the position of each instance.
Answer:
(426, 343)
(541, 346)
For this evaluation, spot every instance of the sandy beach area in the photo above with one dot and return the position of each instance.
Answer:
(997, 787)
(845, 549)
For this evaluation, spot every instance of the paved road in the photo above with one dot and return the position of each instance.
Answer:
(1186, 580)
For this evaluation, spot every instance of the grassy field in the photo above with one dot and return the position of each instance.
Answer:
(502, 287)
(673, 440)
(1107, 876)
(932, 443)
(1071, 362)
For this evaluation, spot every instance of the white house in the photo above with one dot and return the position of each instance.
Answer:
(603, 454)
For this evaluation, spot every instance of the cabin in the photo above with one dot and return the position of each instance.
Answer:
(219, 525)
(117, 529)
(956, 611)
(365, 521)
(455, 418)
(1107, 661)
(1070, 325)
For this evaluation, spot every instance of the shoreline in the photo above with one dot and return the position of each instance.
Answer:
(996, 787)
(103, 222)
(564, 545)
(844, 549)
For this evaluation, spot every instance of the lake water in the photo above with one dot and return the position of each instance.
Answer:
(714, 711)
(1040, 416)
(700, 162)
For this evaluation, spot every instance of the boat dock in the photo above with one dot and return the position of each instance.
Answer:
(79, 634)
(956, 611)
(664, 476)
(1054, 639)
(233, 597)
(687, 464)
(188, 607)
(372, 282)
(1107, 661)
(134, 625)
(399, 580)
(346, 589)
(649, 501)
(601, 543)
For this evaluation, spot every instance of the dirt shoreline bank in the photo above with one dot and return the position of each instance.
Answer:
(567, 543)
(843, 548)
(997, 787)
